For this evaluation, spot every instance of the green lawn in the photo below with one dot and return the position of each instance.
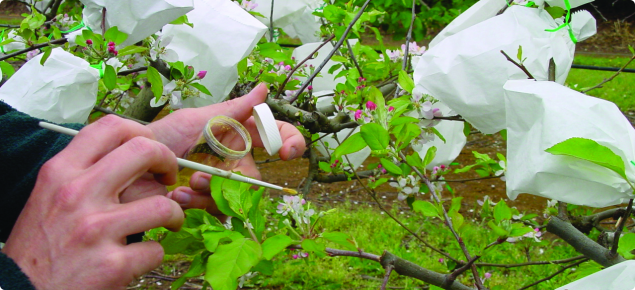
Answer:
(620, 90)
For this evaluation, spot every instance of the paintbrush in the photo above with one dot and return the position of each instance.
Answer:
(189, 164)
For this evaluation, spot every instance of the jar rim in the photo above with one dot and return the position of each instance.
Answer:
(217, 146)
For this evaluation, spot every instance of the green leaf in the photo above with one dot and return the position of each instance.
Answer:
(325, 166)
(519, 230)
(339, 58)
(555, 12)
(197, 267)
(315, 247)
(6, 41)
(457, 219)
(211, 240)
(216, 187)
(110, 77)
(238, 197)
(256, 218)
(375, 136)
(156, 83)
(47, 54)
(426, 208)
(406, 82)
(265, 267)
(415, 160)
(390, 167)
(432, 151)
(231, 261)
(352, 144)
(456, 204)
(6, 69)
(341, 239)
(274, 245)
(436, 132)
(195, 217)
(467, 128)
(502, 211)
(497, 230)
(113, 34)
(181, 242)
(182, 20)
(520, 52)
(201, 88)
(131, 49)
(592, 151)
(626, 246)
(630, 47)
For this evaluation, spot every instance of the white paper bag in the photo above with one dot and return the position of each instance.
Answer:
(467, 70)
(542, 114)
(16, 45)
(64, 90)
(479, 12)
(616, 277)
(139, 19)
(356, 158)
(452, 132)
(223, 34)
(572, 3)
(285, 12)
(307, 26)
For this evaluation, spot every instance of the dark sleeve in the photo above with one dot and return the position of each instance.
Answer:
(11, 276)
(24, 147)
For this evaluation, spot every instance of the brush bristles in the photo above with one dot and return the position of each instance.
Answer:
(290, 191)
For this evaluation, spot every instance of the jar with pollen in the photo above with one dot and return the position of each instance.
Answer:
(223, 142)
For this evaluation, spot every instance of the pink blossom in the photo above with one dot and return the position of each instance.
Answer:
(441, 260)
(487, 275)
(201, 74)
(358, 114)
(31, 54)
(89, 41)
(310, 88)
(371, 106)
(111, 44)
(391, 108)
(295, 257)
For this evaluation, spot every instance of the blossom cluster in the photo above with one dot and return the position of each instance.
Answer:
(294, 206)
(397, 55)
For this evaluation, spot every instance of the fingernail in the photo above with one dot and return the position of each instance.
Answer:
(292, 153)
(181, 198)
(201, 183)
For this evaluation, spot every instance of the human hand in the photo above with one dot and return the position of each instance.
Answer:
(182, 128)
(72, 232)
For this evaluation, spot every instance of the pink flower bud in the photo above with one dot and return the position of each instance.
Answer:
(443, 167)
(295, 257)
(391, 108)
(111, 44)
(358, 115)
(287, 67)
(441, 260)
(201, 74)
(371, 106)
(89, 41)
(310, 88)
(488, 275)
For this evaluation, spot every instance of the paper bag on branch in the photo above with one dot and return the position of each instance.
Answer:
(16, 45)
(138, 19)
(223, 34)
(452, 132)
(617, 277)
(64, 90)
(479, 12)
(541, 114)
(307, 26)
(285, 12)
(467, 70)
(356, 158)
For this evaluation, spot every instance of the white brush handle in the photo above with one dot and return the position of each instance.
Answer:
(182, 162)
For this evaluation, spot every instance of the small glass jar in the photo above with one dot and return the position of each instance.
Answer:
(223, 142)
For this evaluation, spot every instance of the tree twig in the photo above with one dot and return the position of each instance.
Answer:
(610, 78)
(564, 261)
(406, 52)
(271, 22)
(388, 268)
(310, 56)
(581, 243)
(449, 279)
(520, 66)
(335, 48)
(620, 227)
(131, 71)
(554, 274)
(350, 51)
(37, 46)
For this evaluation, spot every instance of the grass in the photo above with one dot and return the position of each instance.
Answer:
(376, 233)
(620, 90)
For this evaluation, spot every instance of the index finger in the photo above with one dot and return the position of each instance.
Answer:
(293, 143)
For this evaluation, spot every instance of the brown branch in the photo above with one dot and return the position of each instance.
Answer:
(611, 78)
(335, 48)
(389, 268)
(449, 279)
(407, 268)
(37, 46)
(531, 263)
(554, 274)
(586, 223)
(131, 71)
(350, 51)
(373, 195)
(313, 121)
(520, 66)
(620, 227)
(290, 75)
(268, 161)
(581, 243)
(466, 180)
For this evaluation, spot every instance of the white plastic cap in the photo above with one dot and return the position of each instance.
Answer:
(268, 128)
